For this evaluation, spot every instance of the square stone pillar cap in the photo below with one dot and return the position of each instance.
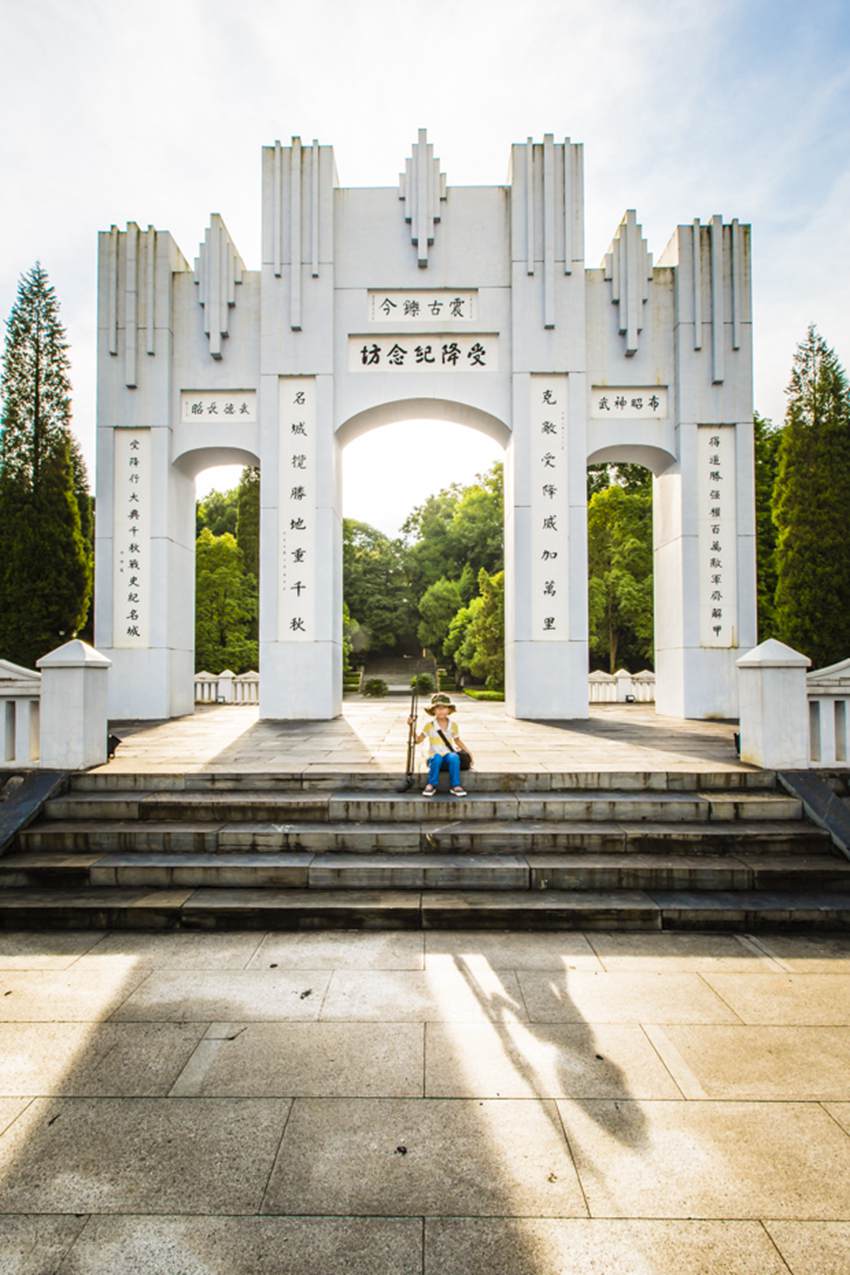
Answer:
(74, 654)
(773, 654)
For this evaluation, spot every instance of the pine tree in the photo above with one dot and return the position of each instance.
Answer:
(810, 507)
(45, 508)
(766, 438)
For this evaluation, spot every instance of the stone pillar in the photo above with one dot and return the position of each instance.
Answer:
(73, 707)
(546, 654)
(703, 505)
(774, 711)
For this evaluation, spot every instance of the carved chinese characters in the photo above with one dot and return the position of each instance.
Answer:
(219, 405)
(549, 508)
(297, 527)
(421, 306)
(131, 538)
(718, 610)
(424, 352)
(608, 403)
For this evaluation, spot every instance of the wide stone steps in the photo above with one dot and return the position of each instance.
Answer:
(650, 851)
(478, 836)
(332, 871)
(207, 909)
(354, 807)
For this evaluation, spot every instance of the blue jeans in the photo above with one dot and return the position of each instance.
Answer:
(436, 764)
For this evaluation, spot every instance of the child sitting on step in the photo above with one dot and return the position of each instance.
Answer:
(443, 742)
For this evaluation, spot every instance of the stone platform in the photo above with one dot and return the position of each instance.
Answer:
(424, 1104)
(372, 735)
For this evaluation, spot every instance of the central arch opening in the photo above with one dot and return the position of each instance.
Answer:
(423, 548)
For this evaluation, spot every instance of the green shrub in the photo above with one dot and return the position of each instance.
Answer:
(375, 686)
(498, 696)
(422, 683)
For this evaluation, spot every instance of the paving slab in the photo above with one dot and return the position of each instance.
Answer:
(813, 1248)
(840, 1111)
(33, 1245)
(809, 954)
(819, 999)
(10, 1109)
(709, 1160)
(185, 951)
(436, 995)
(506, 950)
(669, 952)
(219, 995)
(246, 1246)
(133, 1155)
(110, 1059)
(292, 1060)
(759, 1063)
(346, 949)
(624, 996)
(72, 995)
(519, 1060)
(592, 1246)
(405, 1157)
(35, 950)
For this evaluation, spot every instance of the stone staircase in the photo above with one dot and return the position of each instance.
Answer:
(606, 851)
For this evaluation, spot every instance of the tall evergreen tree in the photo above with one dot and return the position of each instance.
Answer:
(766, 439)
(45, 507)
(810, 507)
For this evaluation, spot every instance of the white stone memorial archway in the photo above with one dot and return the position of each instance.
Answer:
(420, 299)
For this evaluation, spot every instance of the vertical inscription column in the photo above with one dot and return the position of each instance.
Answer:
(132, 538)
(549, 508)
(297, 540)
(717, 536)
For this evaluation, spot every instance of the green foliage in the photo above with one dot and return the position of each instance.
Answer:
(248, 519)
(477, 637)
(475, 692)
(766, 438)
(630, 477)
(810, 507)
(375, 687)
(422, 683)
(457, 532)
(376, 588)
(45, 506)
(437, 607)
(225, 606)
(619, 534)
(218, 511)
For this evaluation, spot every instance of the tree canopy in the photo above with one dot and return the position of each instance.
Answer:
(811, 499)
(45, 505)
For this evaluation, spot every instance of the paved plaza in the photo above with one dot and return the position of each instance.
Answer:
(372, 734)
(484, 1104)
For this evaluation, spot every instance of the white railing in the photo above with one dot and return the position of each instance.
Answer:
(622, 687)
(828, 696)
(20, 698)
(227, 688)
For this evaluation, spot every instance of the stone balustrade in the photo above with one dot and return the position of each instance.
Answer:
(622, 687)
(828, 696)
(227, 687)
(20, 699)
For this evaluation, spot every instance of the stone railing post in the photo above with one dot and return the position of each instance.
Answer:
(225, 686)
(73, 707)
(624, 685)
(773, 709)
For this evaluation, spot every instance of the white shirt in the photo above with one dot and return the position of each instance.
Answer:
(433, 740)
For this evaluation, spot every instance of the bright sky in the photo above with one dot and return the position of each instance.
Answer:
(155, 112)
